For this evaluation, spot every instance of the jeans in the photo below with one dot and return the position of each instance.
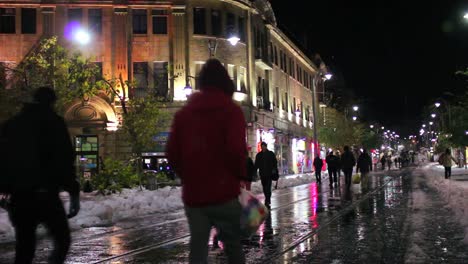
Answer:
(332, 176)
(318, 175)
(266, 184)
(27, 212)
(348, 173)
(448, 172)
(226, 218)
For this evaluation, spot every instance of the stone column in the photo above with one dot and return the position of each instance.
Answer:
(179, 53)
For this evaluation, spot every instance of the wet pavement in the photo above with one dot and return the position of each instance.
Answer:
(308, 224)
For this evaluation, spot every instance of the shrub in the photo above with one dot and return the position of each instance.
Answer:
(114, 176)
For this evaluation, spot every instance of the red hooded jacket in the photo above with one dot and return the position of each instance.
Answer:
(207, 148)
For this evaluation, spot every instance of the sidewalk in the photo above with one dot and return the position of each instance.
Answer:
(454, 190)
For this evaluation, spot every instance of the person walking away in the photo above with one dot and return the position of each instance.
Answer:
(382, 161)
(266, 163)
(332, 164)
(34, 193)
(389, 162)
(251, 173)
(347, 163)
(364, 166)
(446, 161)
(210, 129)
(318, 164)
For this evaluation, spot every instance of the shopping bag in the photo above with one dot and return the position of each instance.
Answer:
(357, 178)
(253, 212)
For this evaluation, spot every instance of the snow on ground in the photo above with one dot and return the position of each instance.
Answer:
(98, 210)
(454, 191)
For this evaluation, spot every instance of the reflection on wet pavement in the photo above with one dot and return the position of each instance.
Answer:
(308, 224)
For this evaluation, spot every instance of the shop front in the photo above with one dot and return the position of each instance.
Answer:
(301, 155)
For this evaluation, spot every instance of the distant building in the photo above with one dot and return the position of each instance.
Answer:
(163, 45)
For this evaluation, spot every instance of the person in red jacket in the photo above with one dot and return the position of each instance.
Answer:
(207, 149)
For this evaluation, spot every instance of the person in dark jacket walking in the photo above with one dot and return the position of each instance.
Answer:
(364, 165)
(267, 165)
(210, 131)
(36, 199)
(332, 164)
(318, 164)
(347, 163)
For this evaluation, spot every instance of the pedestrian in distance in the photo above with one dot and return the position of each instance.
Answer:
(35, 185)
(383, 161)
(389, 162)
(207, 145)
(267, 165)
(332, 165)
(318, 164)
(364, 166)
(347, 163)
(446, 161)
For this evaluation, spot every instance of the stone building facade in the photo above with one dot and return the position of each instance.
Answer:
(144, 40)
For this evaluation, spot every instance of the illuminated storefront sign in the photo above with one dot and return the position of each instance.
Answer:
(267, 136)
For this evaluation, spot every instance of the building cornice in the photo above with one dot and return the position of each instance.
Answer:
(283, 39)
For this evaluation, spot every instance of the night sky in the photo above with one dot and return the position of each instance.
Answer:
(396, 56)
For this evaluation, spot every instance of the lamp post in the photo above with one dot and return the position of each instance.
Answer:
(315, 82)
(447, 106)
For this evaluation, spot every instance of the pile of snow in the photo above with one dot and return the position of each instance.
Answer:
(454, 191)
(98, 210)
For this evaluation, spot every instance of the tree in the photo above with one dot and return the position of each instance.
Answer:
(75, 77)
(336, 131)
(72, 76)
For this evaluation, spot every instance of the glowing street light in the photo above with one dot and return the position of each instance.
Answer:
(354, 118)
(437, 104)
(433, 115)
(82, 36)
(187, 90)
(424, 125)
(371, 126)
(431, 123)
(355, 108)
(328, 76)
(466, 16)
(233, 40)
(382, 128)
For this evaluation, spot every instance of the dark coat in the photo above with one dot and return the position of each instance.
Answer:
(266, 163)
(318, 163)
(347, 160)
(42, 155)
(364, 163)
(333, 162)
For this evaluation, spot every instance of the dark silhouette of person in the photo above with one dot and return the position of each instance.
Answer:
(318, 164)
(364, 166)
(332, 164)
(267, 165)
(347, 163)
(36, 199)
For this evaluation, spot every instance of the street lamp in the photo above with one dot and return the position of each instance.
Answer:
(82, 36)
(315, 82)
(466, 16)
(371, 126)
(354, 118)
(433, 115)
(355, 108)
(437, 104)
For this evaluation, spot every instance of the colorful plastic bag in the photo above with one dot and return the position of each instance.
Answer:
(253, 213)
(357, 178)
